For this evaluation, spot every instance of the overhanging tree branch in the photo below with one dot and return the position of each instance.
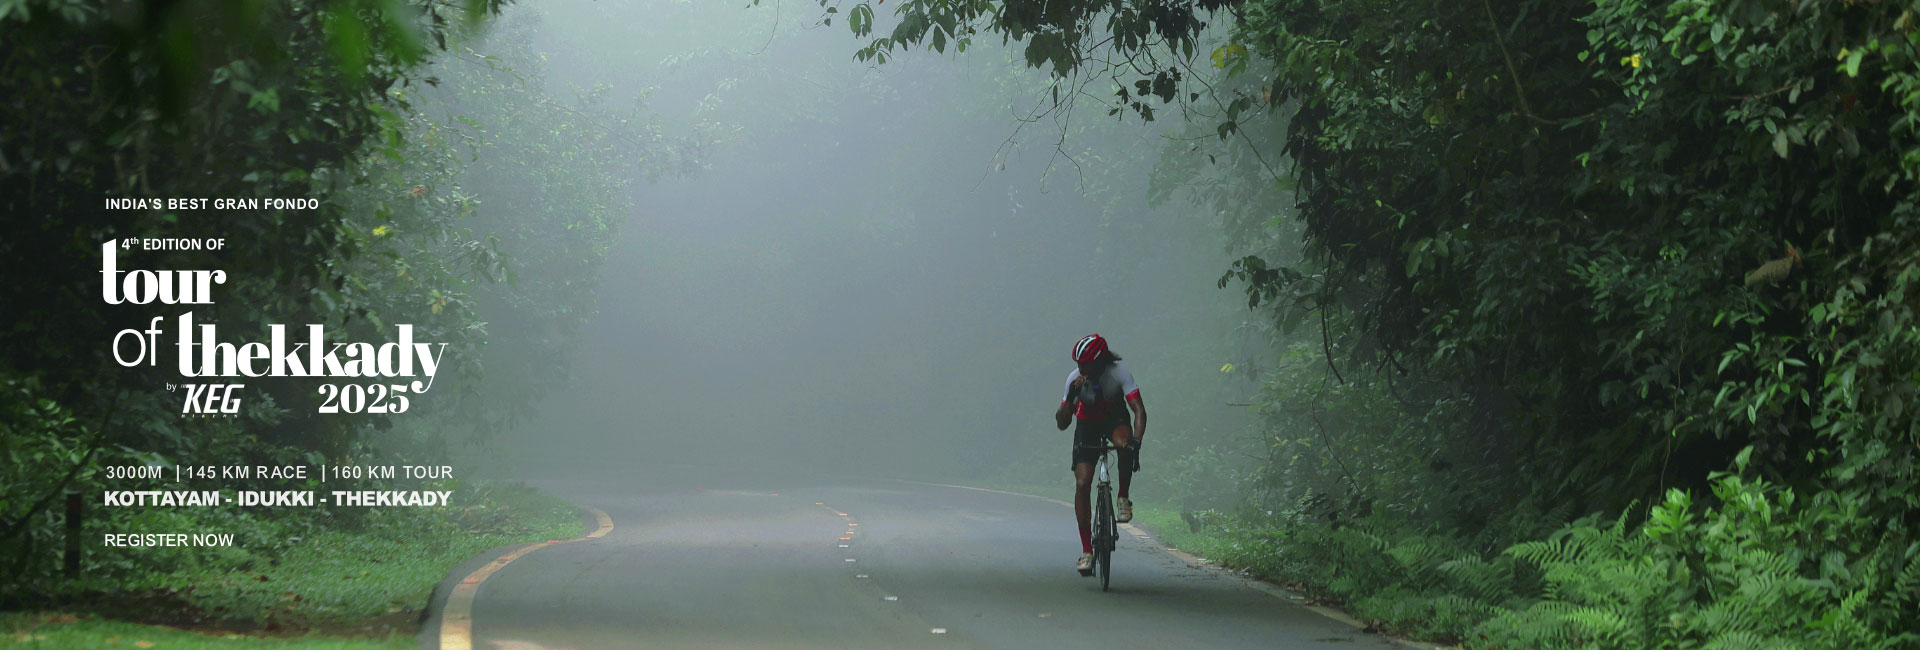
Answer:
(1519, 89)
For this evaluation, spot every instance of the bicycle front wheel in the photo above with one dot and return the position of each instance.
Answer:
(1105, 560)
(1103, 547)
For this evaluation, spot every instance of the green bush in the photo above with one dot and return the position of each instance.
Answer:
(1766, 568)
(1763, 568)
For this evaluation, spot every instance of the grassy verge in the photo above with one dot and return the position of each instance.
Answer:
(1751, 565)
(339, 588)
(1166, 524)
(45, 630)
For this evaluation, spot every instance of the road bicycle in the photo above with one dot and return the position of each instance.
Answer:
(1105, 530)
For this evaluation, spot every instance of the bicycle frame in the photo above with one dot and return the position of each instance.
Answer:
(1105, 530)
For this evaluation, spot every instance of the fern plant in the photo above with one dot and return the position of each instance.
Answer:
(1765, 569)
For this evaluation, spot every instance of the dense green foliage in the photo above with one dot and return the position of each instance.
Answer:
(1558, 258)
(1577, 325)
(337, 102)
(274, 106)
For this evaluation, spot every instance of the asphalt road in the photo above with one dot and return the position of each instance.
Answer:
(695, 561)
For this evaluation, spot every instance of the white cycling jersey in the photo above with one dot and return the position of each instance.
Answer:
(1105, 397)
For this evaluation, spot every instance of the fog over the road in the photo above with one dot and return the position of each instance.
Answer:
(882, 268)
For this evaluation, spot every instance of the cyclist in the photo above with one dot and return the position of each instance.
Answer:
(1100, 392)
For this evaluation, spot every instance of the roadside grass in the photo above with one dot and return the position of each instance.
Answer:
(1167, 526)
(43, 630)
(366, 583)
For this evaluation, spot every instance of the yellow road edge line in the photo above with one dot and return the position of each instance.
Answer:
(456, 616)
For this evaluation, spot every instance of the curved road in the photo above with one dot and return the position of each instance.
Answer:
(698, 562)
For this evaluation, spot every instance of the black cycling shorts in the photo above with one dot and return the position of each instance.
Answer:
(1095, 433)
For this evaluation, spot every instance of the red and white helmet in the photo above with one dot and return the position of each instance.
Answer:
(1090, 349)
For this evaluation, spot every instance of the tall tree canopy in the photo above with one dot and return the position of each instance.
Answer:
(1612, 247)
(339, 103)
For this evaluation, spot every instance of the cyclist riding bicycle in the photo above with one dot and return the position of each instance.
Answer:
(1100, 392)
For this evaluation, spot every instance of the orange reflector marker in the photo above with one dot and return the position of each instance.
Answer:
(844, 538)
(817, 503)
(841, 514)
(853, 524)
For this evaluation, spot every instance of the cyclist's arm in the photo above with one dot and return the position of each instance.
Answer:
(1063, 416)
(1134, 403)
(1139, 409)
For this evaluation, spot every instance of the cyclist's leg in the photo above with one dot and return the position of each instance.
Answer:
(1085, 434)
(1124, 462)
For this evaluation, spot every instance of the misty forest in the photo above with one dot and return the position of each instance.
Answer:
(1516, 324)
